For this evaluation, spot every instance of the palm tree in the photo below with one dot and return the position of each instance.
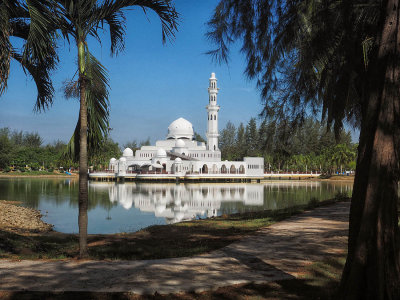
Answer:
(342, 155)
(77, 20)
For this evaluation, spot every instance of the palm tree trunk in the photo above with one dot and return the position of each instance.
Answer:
(372, 269)
(83, 156)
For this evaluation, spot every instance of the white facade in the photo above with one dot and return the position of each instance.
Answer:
(181, 155)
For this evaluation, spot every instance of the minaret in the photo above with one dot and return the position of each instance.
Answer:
(212, 111)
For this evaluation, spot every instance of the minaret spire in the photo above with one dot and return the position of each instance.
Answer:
(212, 111)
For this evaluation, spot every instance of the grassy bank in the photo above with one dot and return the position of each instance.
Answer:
(35, 174)
(160, 241)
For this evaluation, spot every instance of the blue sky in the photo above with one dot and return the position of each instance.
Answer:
(151, 84)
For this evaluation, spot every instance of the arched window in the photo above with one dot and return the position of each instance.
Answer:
(223, 169)
(241, 169)
(214, 147)
(215, 117)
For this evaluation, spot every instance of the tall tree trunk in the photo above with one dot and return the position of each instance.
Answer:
(83, 156)
(372, 269)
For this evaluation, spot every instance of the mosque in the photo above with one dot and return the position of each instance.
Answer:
(180, 155)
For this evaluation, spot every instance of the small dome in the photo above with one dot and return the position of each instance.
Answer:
(161, 153)
(127, 152)
(122, 159)
(180, 129)
(212, 75)
(112, 159)
(179, 144)
(178, 160)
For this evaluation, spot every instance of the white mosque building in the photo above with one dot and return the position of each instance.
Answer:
(179, 155)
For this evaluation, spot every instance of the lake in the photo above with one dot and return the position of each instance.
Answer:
(127, 207)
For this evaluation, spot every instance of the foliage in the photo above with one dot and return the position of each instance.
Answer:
(18, 152)
(5, 148)
(311, 147)
(198, 137)
(100, 158)
(134, 145)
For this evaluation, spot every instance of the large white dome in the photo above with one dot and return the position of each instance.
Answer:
(127, 152)
(180, 129)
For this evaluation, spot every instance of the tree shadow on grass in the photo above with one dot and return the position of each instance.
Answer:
(32, 245)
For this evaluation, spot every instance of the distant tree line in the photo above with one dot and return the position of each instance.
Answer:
(26, 151)
(135, 145)
(310, 147)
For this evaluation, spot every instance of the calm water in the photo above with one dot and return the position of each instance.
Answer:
(125, 207)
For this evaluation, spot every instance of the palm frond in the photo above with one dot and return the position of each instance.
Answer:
(98, 108)
(28, 21)
(111, 12)
(164, 9)
(40, 74)
(5, 47)
(40, 42)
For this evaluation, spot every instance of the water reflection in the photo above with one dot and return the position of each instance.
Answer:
(115, 207)
(182, 202)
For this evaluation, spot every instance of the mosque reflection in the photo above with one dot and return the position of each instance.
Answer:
(180, 202)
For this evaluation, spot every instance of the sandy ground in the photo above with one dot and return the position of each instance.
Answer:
(20, 219)
(277, 252)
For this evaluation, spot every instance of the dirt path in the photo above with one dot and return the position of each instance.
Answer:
(277, 252)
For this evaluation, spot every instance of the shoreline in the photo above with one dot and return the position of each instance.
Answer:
(333, 178)
(73, 176)
(18, 219)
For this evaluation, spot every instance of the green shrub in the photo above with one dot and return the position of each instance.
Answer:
(51, 170)
(313, 202)
(35, 167)
(341, 195)
(22, 169)
(7, 169)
